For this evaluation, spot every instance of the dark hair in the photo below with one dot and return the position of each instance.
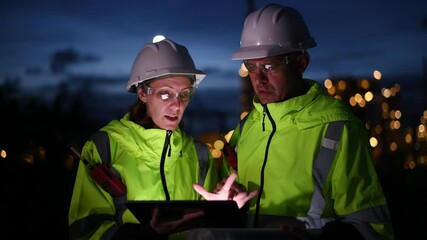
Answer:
(138, 114)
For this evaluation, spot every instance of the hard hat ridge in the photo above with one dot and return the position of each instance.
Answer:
(273, 30)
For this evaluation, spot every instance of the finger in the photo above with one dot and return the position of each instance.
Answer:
(229, 182)
(243, 197)
(251, 195)
(202, 191)
(219, 185)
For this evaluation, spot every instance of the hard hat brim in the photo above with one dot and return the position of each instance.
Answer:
(254, 52)
(160, 73)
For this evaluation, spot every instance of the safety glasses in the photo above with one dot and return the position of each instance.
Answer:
(272, 66)
(166, 93)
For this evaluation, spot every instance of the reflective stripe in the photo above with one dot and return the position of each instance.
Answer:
(87, 225)
(329, 143)
(102, 143)
(321, 167)
(373, 215)
(203, 155)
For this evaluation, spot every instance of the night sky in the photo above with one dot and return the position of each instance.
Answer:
(90, 45)
(102, 37)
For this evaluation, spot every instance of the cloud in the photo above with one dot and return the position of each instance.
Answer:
(63, 58)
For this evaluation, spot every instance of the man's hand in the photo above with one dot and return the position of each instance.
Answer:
(234, 189)
(228, 191)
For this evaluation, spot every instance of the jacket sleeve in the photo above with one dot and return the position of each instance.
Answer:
(91, 213)
(356, 192)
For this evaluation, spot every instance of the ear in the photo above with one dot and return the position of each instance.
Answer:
(303, 60)
(141, 94)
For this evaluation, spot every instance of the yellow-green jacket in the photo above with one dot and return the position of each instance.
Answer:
(277, 149)
(136, 154)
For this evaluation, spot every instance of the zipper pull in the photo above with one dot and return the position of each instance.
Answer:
(168, 136)
(263, 117)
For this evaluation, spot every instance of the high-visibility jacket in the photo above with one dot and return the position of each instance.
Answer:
(277, 149)
(135, 154)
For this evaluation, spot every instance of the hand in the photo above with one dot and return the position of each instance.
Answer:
(234, 189)
(224, 192)
(167, 227)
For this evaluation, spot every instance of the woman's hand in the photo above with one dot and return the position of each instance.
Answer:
(228, 190)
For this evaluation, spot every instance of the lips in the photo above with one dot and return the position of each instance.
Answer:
(171, 118)
(263, 92)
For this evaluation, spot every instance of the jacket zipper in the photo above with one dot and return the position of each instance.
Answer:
(162, 163)
(261, 188)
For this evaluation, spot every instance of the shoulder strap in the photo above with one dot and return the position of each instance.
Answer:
(230, 147)
(203, 156)
(102, 143)
(242, 123)
(321, 167)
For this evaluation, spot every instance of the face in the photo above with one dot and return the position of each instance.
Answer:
(166, 100)
(275, 80)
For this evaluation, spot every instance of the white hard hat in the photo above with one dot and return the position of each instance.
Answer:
(162, 59)
(273, 30)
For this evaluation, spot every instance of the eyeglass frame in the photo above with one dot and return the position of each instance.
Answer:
(282, 59)
(151, 90)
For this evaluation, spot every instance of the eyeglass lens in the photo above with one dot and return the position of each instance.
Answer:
(265, 67)
(166, 94)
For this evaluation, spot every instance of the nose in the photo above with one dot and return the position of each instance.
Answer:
(175, 103)
(259, 76)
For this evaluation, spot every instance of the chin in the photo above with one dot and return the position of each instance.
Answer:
(169, 127)
(265, 101)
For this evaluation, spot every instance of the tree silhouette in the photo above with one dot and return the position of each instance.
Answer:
(37, 179)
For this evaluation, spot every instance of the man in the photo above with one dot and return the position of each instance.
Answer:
(305, 151)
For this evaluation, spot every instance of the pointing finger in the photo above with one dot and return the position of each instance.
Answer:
(229, 182)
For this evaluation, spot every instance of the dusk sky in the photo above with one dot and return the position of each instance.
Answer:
(102, 37)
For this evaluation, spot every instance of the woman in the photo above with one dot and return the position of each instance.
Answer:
(147, 149)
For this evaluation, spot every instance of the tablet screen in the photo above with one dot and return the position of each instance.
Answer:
(216, 214)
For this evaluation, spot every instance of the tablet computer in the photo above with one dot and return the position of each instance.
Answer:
(216, 214)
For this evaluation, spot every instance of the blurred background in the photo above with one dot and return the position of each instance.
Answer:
(64, 67)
